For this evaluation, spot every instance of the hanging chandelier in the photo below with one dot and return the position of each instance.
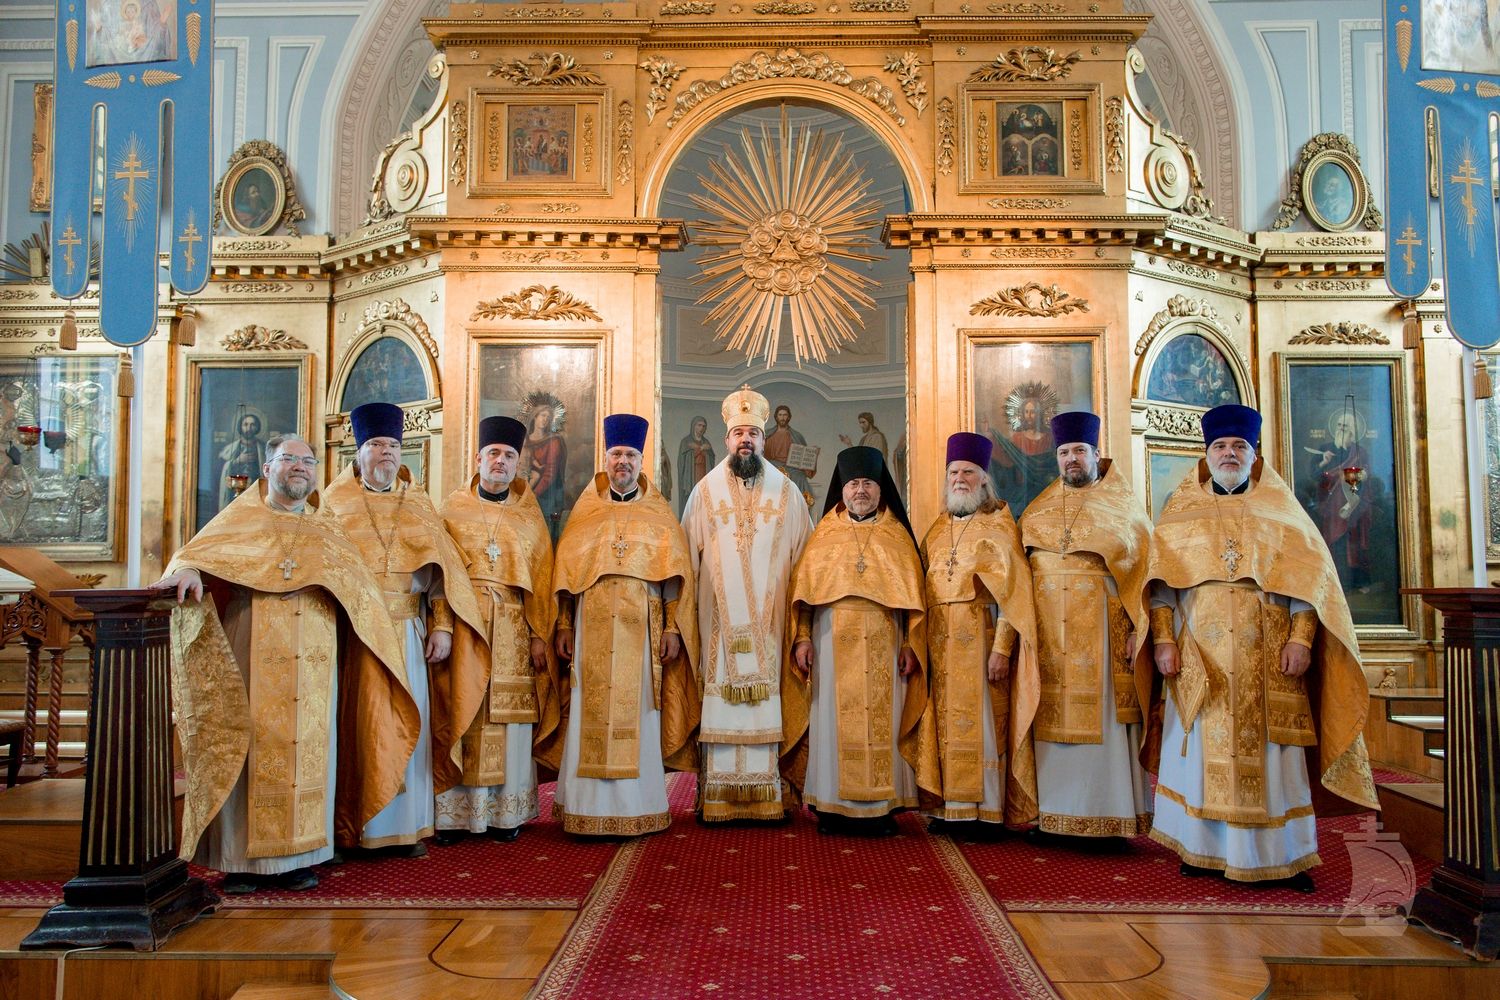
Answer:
(780, 217)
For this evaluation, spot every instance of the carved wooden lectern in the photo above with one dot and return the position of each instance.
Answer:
(131, 888)
(1463, 898)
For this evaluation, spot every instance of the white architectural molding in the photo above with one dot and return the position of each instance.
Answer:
(280, 45)
(1260, 32)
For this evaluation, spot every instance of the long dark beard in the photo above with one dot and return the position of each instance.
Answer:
(745, 466)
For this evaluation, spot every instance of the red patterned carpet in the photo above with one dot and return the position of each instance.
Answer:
(786, 912)
(543, 868)
(1024, 876)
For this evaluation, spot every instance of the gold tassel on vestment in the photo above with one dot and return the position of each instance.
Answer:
(742, 791)
(740, 694)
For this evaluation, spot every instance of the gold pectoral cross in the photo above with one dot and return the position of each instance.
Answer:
(620, 546)
(287, 565)
(1067, 538)
(1231, 555)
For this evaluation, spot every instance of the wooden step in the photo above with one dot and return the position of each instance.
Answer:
(168, 975)
(1367, 976)
(1415, 811)
(41, 825)
(282, 991)
(1405, 747)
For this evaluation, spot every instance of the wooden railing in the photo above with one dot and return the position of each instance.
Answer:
(46, 621)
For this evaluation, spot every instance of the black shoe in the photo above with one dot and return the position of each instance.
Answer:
(337, 859)
(505, 834)
(939, 827)
(1193, 871)
(239, 884)
(417, 850)
(297, 880)
(447, 838)
(1301, 882)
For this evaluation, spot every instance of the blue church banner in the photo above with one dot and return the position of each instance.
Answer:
(135, 79)
(1442, 60)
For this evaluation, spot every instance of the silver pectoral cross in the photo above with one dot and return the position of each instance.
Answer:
(493, 551)
(1231, 555)
(287, 565)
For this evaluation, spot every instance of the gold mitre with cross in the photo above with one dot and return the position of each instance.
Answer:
(745, 406)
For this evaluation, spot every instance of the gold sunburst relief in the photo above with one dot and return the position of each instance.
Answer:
(779, 218)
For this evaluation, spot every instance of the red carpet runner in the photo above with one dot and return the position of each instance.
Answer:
(543, 868)
(735, 912)
(1025, 876)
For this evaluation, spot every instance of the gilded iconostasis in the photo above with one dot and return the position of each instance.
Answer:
(898, 220)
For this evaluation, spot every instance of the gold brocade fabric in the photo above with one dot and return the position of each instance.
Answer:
(988, 567)
(398, 532)
(609, 674)
(269, 553)
(892, 581)
(642, 541)
(1231, 686)
(865, 645)
(1105, 526)
(1264, 537)
(516, 601)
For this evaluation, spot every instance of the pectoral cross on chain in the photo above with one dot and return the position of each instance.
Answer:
(1231, 555)
(1067, 538)
(287, 565)
(620, 546)
(493, 551)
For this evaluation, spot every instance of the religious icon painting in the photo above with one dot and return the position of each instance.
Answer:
(1192, 371)
(1166, 468)
(1334, 193)
(60, 464)
(256, 195)
(555, 389)
(548, 143)
(126, 32)
(1343, 453)
(386, 370)
(1016, 387)
(1461, 36)
(236, 405)
(1029, 137)
(1022, 139)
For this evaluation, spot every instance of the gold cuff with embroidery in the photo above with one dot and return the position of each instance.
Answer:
(1162, 633)
(1304, 628)
(1005, 638)
(441, 616)
(804, 625)
(565, 614)
(669, 619)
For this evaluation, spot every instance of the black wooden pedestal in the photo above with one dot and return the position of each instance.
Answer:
(131, 888)
(1463, 898)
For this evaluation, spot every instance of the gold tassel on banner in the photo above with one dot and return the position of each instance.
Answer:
(67, 334)
(1411, 326)
(127, 377)
(186, 328)
(1482, 388)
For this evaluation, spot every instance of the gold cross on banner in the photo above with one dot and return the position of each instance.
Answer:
(134, 171)
(190, 235)
(68, 240)
(1408, 240)
(1469, 177)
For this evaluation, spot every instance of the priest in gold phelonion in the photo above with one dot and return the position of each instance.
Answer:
(1086, 536)
(255, 673)
(385, 790)
(746, 524)
(628, 622)
(484, 770)
(1260, 677)
(982, 650)
(860, 740)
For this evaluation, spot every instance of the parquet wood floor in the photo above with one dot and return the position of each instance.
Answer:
(497, 954)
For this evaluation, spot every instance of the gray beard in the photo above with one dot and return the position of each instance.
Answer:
(296, 492)
(962, 506)
(745, 467)
(1231, 480)
(378, 479)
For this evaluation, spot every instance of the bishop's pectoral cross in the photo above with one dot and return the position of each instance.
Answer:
(134, 170)
(287, 565)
